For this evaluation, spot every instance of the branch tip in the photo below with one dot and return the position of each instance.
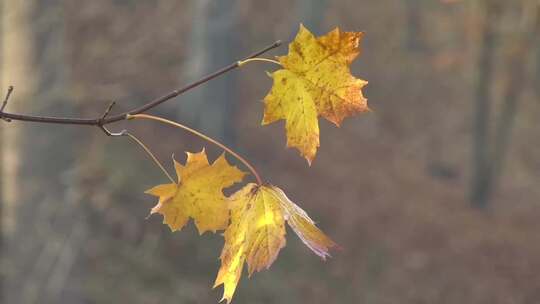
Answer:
(6, 99)
(108, 110)
(4, 104)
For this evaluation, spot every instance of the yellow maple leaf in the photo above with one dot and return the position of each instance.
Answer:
(257, 233)
(315, 81)
(198, 193)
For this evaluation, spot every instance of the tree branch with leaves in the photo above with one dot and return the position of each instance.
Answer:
(314, 80)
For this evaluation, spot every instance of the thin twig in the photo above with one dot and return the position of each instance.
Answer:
(203, 136)
(149, 152)
(149, 105)
(108, 110)
(4, 104)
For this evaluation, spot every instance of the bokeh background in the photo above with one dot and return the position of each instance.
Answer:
(435, 195)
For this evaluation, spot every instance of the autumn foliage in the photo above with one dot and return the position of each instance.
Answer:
(314, 81)
(198, 193)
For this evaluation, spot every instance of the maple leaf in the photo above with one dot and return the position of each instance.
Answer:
(198, 193)
(257, 233)
(315, 81)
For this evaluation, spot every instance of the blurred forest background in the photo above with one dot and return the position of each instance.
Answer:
(435, 195)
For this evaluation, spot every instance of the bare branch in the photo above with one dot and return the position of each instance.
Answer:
(102, 121)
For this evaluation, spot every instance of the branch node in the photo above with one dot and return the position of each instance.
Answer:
(101, 122)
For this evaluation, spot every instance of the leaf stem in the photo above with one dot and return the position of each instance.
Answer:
(242, 62)
(203, 136)
(147, 150)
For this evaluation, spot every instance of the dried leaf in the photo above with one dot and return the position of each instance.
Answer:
(198, 193)
(315, 81)
(257, 233)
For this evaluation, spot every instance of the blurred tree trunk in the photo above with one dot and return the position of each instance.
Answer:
(480, 180)
(42, 183)
(413, 29)
(521, 52)
(489, 154)
(537, 43)
(15, 67)
(213, 44)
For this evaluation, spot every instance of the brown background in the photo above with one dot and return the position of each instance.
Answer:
(434, 195)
